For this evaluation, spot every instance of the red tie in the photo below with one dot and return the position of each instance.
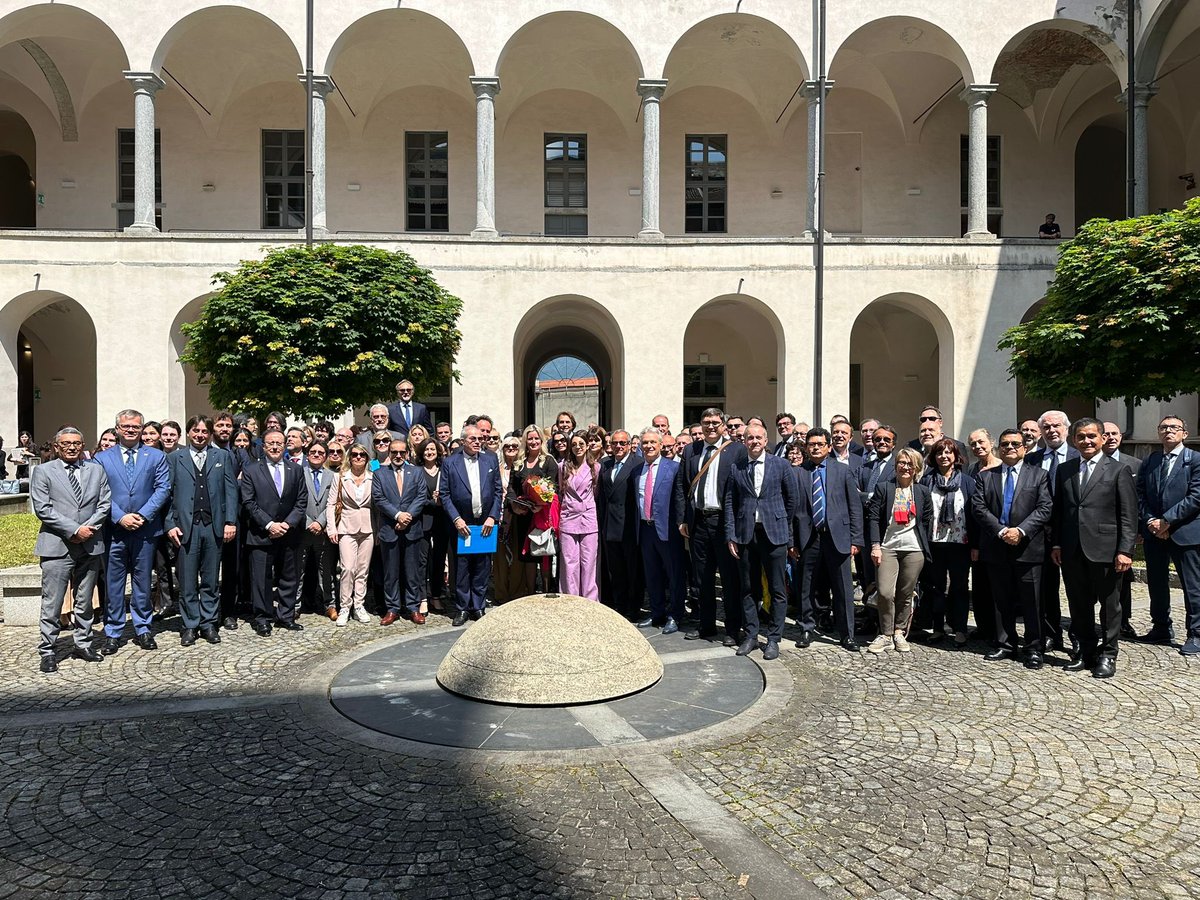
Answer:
(649, 493)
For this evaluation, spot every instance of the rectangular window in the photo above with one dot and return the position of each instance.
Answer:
(703, 386)
(995, 207)
(566, 197)
(283, 179)
(427, 180)
(125, 177)
(704, 187)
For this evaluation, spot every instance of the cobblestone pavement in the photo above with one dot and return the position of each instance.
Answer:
(931, 775)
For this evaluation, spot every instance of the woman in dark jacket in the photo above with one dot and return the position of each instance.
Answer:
(955, 534)
(435, 522)
(534, 462)
(899, 532)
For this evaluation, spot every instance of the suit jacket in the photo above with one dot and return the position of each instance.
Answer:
(314, 509)
(853, 462)
(879, 514)
(366, 440)
(967, 486)
(456, 489)
(356, 517)
(1030, 512)
(775, 504)
(862, 477)
(857, 449)
(780, 448)
(61, 514)
(1102, 521)
(615, 500)
(733, 453)
(1177, 502)
(389, 502)
(666, 501)
(146, 494)
(263, 505)
(221, 480)
(420, 416)
(1132, 463)
(843, 508)
(915, 444)
(1035, 458)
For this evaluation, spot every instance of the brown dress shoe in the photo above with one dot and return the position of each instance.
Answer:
(389, 618)
(418, 618)
(332, 613)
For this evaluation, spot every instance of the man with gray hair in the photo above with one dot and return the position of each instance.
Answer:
(72, 501)
(379, 422)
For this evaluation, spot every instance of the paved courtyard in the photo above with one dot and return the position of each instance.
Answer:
(223, 771)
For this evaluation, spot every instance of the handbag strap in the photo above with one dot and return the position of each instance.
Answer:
(337, 505)
(704, 468)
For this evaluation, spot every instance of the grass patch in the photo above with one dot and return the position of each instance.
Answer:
(17, 536)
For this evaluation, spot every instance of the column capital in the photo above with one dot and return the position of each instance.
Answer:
(1142, 94)
(651, 88)
(322, 84)
(810, 89)
(485, 86)
(977, 93)
(145, 82)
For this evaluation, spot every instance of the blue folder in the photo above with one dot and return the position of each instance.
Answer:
(477, 543)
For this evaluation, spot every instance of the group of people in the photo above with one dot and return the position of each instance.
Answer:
(275, 518)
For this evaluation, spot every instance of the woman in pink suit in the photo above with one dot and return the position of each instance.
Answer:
(348, 518)
(579, 535)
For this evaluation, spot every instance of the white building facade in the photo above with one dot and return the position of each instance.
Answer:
(626, 181)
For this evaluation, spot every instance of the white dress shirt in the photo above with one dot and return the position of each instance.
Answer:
(472, 465)
(711, 499)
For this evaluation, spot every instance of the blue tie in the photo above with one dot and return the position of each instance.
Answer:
(407, 415)
(617, 469)
(876, 471)
(317, 481)
(129, 464)
(818, 511)
(1010, 488)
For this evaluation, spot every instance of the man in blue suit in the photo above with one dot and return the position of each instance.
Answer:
(1169, 514)
(201, 520)
(657, 503)
(829, 533)
(140, 481)
(760, 503)
(398, 498)
(407, 412)
(471, 494)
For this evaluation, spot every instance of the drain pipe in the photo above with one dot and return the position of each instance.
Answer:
(819, 238)
(308, 127)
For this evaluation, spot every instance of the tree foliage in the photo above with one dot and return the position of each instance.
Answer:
(313, 332)
(1122, 316)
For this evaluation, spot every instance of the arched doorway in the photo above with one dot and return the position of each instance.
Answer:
(187, 395)
(18, 161)
(1100, 172)
(562, 340)
(1030, 407)
(732, 358)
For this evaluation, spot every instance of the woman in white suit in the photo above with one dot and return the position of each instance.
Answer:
(348, 524)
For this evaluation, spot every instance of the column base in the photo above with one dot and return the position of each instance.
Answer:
(141, 229)
(651, 234)
(979, 236)
(485, 233)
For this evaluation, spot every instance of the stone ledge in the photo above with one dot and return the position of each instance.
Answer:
(21, 595)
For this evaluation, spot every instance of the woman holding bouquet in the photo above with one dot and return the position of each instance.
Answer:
(578, 529)
(533, 493)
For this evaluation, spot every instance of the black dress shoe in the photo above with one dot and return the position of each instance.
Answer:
(210, 634)
(1127, 632)
(111, 646)
(805, 639)
(187, 637)
(1076, 665)
(87, 654)
(699, 635)
(729, 641)
(230, 622)
(48, 665)
(647, 622)
(1159, 634)
(291, 626)
(460, 619)
(772, 651)
(850, 644)
(475, 615)
(145, 641)
(998, 654)
(262, 629)
(1105, 668)
(748, 646)
(1033, 661)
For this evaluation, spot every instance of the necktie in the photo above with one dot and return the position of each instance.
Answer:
(277, 469)
(1010, 488)
(316, 482)
(1086, 474)
(646, 502)
(818, 502)
(198, 458)
(408, 414)
(129, 463)
(399, 470)
(617, 469)
(876, 471)
(1168, 464)
(1053, 469)
(76, 487)
(708, 452)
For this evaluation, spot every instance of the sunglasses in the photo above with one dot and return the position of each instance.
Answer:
(382, 441)
(1011, 445)
(929, 418)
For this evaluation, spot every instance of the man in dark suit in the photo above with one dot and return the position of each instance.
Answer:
(618, 521)
(201, 520)
(866, 449)
(657, 501)
(1169, 512)
(703, 475)
(1054, 426)
(72, 501)
(760, 503)
(407, 412)
(1012, 505)
(398, 498)
(841, 452)
(233, 591)
(929, 432)
(275, 498)
(318, 555)
(1112, 449)
(471, 494)
(1093, 529)
(881, 468)
(140, 481)
(785, 424)
(829, 533)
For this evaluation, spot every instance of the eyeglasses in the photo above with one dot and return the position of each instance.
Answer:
(1170, 428)
(929, 418)
(69, 444)
(620, 443)
(883, 440)
(383, 440)
(137, 428)
(1011, 445)
(512, 446)
(334, 451)
(316, 452)
(358, 456)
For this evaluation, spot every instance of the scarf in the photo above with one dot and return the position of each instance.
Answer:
(949, 487)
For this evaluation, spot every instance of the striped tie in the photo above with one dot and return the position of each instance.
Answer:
(818, 503)
(76, 487)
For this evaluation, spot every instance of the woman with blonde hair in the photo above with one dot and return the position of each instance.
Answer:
(417, 435)
(348, 524)
(508, 572)
(533, 468)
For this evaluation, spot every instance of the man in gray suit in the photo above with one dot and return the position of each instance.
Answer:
(73, 502)
(319, 555)
(201, 519)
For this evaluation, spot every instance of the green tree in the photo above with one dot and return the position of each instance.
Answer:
(1122, 316)
(313, 332)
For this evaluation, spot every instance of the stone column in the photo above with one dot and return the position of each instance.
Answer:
(145, 86)
(322, 85)
(486, 88)
(651, 91)
(811, 92)
(976, 98)
(1141, 148)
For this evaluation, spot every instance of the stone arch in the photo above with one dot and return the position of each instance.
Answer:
(186, 395)
(1030, 408)
(18, 171)
(569, 324)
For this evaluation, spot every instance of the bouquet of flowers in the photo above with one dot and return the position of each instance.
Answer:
(544, 496)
